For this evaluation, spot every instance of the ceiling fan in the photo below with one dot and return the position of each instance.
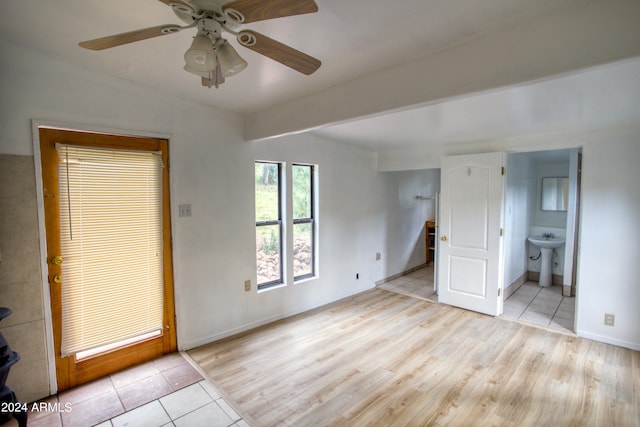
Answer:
(210, 56)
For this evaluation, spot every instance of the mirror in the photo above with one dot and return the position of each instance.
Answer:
(555, 193)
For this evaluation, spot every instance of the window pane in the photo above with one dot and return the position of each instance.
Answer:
(302, 249)
(268, 254)
(267, 185)
(301, 191)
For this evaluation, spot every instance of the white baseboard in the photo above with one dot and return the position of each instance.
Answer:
(188, 345)
(609, 340)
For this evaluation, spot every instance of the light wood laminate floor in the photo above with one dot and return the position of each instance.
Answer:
(384, 359)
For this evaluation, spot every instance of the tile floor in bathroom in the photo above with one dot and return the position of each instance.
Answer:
(540, 306)
(168, 391)
(531, 303)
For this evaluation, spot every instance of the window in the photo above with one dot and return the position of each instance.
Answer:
(273, 225)
(268, 224)
(303, 222)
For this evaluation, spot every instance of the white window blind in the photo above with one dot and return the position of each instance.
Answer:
(111, 240)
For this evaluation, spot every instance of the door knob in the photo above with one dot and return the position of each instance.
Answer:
(443, 238)
(57, 279)
(57, 260)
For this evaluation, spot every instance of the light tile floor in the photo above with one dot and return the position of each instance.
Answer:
(540, 306)
(417, 284)
(167, 392)
(531, 303)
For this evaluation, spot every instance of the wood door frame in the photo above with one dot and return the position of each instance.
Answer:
(91, 368)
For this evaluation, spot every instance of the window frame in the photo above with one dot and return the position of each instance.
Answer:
(279, 222)
(311, 220)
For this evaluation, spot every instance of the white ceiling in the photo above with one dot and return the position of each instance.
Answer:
(601, 97)
(354, 39)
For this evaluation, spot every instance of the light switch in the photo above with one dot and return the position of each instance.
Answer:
(184, 210)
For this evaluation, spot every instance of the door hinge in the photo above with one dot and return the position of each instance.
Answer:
(501, 232)
(499, 291)
(502, 170)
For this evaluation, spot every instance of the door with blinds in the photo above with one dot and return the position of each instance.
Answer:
(106, 204)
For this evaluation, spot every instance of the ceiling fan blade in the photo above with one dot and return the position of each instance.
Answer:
(179, 5)
(279, 52)
(130, 37)
(259, 10)
(172, 2)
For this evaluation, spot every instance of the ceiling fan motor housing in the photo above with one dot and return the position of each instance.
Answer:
(210, 28)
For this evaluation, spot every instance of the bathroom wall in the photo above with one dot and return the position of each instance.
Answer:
(520, 201)
(20, 278)
(548, 221)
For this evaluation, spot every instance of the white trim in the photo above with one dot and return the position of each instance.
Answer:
(265, 321)
(36, 124)
(609, 340)
(230, 332)
(42, 237)
(44, 272)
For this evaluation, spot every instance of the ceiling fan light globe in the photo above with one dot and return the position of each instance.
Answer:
(206, 74)
(201, 56)
(230, 62)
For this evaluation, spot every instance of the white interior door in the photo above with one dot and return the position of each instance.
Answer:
(471, 206)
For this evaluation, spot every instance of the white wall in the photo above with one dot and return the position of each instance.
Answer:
(609, 271)
(215, 248)
(404, 233)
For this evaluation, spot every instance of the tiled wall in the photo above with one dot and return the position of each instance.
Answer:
(20, 277)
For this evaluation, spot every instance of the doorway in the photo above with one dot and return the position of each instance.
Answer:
(526, 215)
(108, 242)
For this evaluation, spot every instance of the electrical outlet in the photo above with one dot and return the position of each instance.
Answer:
(184, 210)
(247, 285)
(609, 319)
(378, 256)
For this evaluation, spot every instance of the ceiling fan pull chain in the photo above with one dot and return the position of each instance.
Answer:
(219, 78)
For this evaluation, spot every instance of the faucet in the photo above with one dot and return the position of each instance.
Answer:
(547, 235)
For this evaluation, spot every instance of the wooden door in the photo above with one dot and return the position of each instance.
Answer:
(72, 370)
(470, 257)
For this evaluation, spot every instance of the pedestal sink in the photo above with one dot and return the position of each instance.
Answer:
(546, 245)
